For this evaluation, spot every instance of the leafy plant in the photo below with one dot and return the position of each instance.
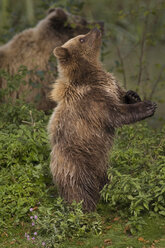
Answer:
(137, 174)
(13, 81)
(24, 155)
(53, 223)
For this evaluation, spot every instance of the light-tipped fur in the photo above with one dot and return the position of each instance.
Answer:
(91, 105)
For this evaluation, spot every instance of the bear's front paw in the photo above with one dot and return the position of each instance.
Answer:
(149, 108)
(132, 97)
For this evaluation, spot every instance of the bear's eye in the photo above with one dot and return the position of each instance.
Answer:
(82, 40)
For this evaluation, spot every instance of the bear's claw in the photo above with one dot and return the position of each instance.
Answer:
(132, 97)
(150, 107)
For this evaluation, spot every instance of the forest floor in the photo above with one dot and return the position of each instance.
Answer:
(114, 234)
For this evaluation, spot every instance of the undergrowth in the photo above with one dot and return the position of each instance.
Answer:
(24, 153)
(137, 174)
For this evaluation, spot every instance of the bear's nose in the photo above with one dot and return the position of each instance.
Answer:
(96, 31)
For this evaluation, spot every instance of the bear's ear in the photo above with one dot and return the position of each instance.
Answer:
(61, 52)
(57, 14)
(51, 10)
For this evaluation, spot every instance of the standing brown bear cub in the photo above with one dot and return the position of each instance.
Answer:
(90, 106)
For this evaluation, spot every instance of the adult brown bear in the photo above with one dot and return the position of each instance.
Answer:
(33, 48)
(90, 106)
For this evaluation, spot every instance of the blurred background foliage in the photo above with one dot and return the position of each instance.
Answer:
(133, 44)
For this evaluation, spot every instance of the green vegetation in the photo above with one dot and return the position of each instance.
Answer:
(137, 174)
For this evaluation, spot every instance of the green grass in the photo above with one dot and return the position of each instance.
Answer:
(114, 234)
(15, 237)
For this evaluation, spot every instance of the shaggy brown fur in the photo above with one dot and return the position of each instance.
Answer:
(90, 106)
(33, 47)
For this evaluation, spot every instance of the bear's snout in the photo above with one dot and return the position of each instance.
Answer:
(96, 32)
